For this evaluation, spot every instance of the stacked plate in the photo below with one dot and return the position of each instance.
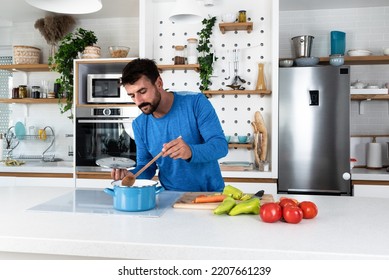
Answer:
(359, 52)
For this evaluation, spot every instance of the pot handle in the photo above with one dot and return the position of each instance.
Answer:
(158, 189)
(109, 191)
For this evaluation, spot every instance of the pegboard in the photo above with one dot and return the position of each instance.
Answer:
(234, 50)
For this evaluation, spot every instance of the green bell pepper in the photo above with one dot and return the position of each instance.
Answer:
(235, 193)
(250, 206)
(225, 207)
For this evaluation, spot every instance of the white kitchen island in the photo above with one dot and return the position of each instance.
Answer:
(346, 228)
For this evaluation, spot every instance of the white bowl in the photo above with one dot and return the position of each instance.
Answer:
(286, 62)
(229, 17)
(118, 51)
(336, 59)
(307, 61)
(386, 51)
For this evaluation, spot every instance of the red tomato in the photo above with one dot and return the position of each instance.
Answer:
(270, 212)
(309, 209)
(287, 201)
(292, 214)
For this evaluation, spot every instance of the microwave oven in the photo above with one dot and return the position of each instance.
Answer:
(106, 89)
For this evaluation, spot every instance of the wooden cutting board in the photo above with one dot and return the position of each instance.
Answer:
(186, 201)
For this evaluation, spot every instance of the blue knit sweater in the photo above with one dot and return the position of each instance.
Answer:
(193, 117)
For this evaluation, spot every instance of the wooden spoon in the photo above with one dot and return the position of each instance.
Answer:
(129, 180)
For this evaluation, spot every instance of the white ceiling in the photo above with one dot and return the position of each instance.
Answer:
(288, 5)
(13, 11)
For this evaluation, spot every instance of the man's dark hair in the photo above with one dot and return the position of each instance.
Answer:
(137, 68)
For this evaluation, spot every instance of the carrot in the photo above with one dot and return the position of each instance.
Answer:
(209, 198)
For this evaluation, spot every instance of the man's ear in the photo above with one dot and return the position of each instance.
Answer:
(159, 82)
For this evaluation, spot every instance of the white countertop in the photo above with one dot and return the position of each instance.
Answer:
(346, 228)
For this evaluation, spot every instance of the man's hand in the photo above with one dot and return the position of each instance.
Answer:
(118, 174)
(176, 149)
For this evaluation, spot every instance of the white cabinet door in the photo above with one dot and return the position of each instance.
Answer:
(43, 182)
(371, 191)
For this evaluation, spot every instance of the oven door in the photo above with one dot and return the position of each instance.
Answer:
(98, 138)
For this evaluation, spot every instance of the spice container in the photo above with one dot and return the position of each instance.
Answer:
(35, 91)
(22, 91)
(15, 93)
(192, 51)
(179, 56)
(242, 16)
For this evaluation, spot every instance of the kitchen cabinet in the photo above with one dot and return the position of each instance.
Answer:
(371, 189)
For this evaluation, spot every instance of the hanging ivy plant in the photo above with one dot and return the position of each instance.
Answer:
(206, 56)
(62, 62)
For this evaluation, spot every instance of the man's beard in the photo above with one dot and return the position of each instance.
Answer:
(148, 108)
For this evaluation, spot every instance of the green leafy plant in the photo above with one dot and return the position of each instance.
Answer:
(206, 56)
(62, 62)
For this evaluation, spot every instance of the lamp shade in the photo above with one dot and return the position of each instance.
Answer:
(67, 6)
(186, 11)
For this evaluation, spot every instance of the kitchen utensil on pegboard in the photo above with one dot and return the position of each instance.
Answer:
(237, 81)
(260, 139)
(261, 85)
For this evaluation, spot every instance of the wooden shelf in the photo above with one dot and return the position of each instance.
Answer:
(106, 105)
(26, 67)
(247, 146)
(31, 100)
(360, 60)
(195, 67)
(236, 26)
(209, 93)
(369, 96)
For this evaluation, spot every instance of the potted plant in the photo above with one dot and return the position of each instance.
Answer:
(206, 56)
(62, 62)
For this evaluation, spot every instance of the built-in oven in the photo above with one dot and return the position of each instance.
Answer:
(104, 132)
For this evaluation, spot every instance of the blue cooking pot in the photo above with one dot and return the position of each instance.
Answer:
(139, 197)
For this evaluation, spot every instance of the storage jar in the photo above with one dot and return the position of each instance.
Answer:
(179, 55)
(22, 91)
(192, 51)
(242, 16)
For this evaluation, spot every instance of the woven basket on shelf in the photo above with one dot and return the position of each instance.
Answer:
(26, 55)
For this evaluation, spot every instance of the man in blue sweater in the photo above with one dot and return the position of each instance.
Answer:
(183, 125)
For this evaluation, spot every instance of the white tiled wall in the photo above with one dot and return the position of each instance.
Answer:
(366, 28)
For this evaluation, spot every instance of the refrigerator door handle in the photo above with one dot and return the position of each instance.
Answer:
(346, 176)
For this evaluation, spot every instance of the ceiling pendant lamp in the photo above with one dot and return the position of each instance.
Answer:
(67, 6)
(186, 11)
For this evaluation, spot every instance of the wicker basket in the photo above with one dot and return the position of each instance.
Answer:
(26, 55)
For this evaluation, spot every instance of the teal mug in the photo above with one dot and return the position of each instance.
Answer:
(338, 42)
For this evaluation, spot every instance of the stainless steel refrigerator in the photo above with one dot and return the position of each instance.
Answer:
(314, 130)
